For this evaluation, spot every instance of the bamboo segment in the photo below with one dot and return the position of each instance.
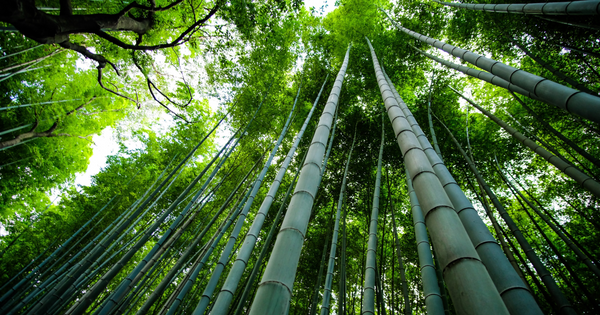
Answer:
(513, 291)
(431, 290)
(585, 181)
(431, 130)
(221, 305)
(275, 290)
(482, 75)
(550, 92)
(368, 306)
(266, 245)
(588, 7)
(464, 272)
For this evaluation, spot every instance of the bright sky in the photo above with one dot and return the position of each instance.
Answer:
(318, 3)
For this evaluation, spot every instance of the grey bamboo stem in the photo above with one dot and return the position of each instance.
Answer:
(482, 75)
(464, 272)
(564, 304)
(407, 306)
(275, 290)
(368, 304)
(433, 297)
(571, 100)
(582, 179)
(513, 291)
(588, 7)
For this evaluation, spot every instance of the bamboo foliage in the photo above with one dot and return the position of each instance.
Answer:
(513, 291)
(464, 273)
(588, 7)
(275, 290)
(571, 100)
(368, 306)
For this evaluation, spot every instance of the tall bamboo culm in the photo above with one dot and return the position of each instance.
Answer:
(514, 293)
(431, 290)
(550, 92)
(465, 274)
(563, 304)
(275, 290)
(589, 7)
(368, 305)
(326, 306)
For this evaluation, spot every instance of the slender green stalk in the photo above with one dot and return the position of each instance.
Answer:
(325, 305)
(159, 289)
(559, 135)
(585, 181)
(275, 290)
(315, 298)
(368, 302)
(582, 257)
(407, 306)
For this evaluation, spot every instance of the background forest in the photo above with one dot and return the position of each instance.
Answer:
(207, 102)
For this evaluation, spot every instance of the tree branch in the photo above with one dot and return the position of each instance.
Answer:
(111, 91)
(178, 41)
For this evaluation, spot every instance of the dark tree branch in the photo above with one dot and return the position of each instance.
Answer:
(88, 54)
(187, 86)
(178, 41)
(151, 85)
(111, 91)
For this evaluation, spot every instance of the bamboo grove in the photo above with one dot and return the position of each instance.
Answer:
(413, 157)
